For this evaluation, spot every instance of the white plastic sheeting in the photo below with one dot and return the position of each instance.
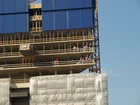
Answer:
(73, 89)
(4, 91)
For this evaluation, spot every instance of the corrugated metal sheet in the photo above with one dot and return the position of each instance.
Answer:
(22, 23)
(67, 19)
(87, 3)
(0, 24)
(0, 6)
(75, 19)
(65, 4)
(13, 6)
(60, 4)
(55, 20)
(67, 14)
(47, 21)
(61, 19)
(14, 23)
(47, 5)
(74, 3)
(87, 18)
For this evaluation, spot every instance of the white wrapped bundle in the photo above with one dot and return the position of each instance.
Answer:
(5, 91)
(73, 89)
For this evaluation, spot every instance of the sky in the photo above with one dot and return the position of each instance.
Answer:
(119, 27)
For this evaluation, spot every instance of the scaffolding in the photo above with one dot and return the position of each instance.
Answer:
(69, 47)
(47, 62)
(34, 51)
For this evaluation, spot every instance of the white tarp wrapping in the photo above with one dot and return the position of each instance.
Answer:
(5, 91)
(73, 89)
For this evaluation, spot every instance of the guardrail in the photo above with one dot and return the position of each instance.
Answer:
(54, 51)
(10, 54)
(48, 64)
(48, 40)
(36, 29)
(74, 50)
(26, 80)
(36, 17)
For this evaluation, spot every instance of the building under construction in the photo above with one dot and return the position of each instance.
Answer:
(43, 45)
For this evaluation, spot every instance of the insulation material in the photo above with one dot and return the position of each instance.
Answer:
(73, 89)
(5, 91)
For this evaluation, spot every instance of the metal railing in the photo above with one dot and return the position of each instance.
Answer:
(48, 64)
(26, 80)
(55, 51)
(17, 65)
(48, 40)
(10, 54)
(36, 17)
(35, 29)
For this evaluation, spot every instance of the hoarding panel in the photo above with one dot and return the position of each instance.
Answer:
(13, 6)
(86, 3)
(47, 4)
(0, 24)
(73, 3)
(10, 8)
(60, 4)
(0, 6)
(65, 4)
(22, 23)
(9, 23)
(14, 23)
(5, 7)
(47, 21)
(21, 6)
(75, 19)
(87, 18)
(60, 20)
(68, 19)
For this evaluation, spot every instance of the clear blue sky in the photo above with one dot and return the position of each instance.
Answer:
(119, 24)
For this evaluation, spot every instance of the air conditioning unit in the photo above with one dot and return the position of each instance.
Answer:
(26, 49)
